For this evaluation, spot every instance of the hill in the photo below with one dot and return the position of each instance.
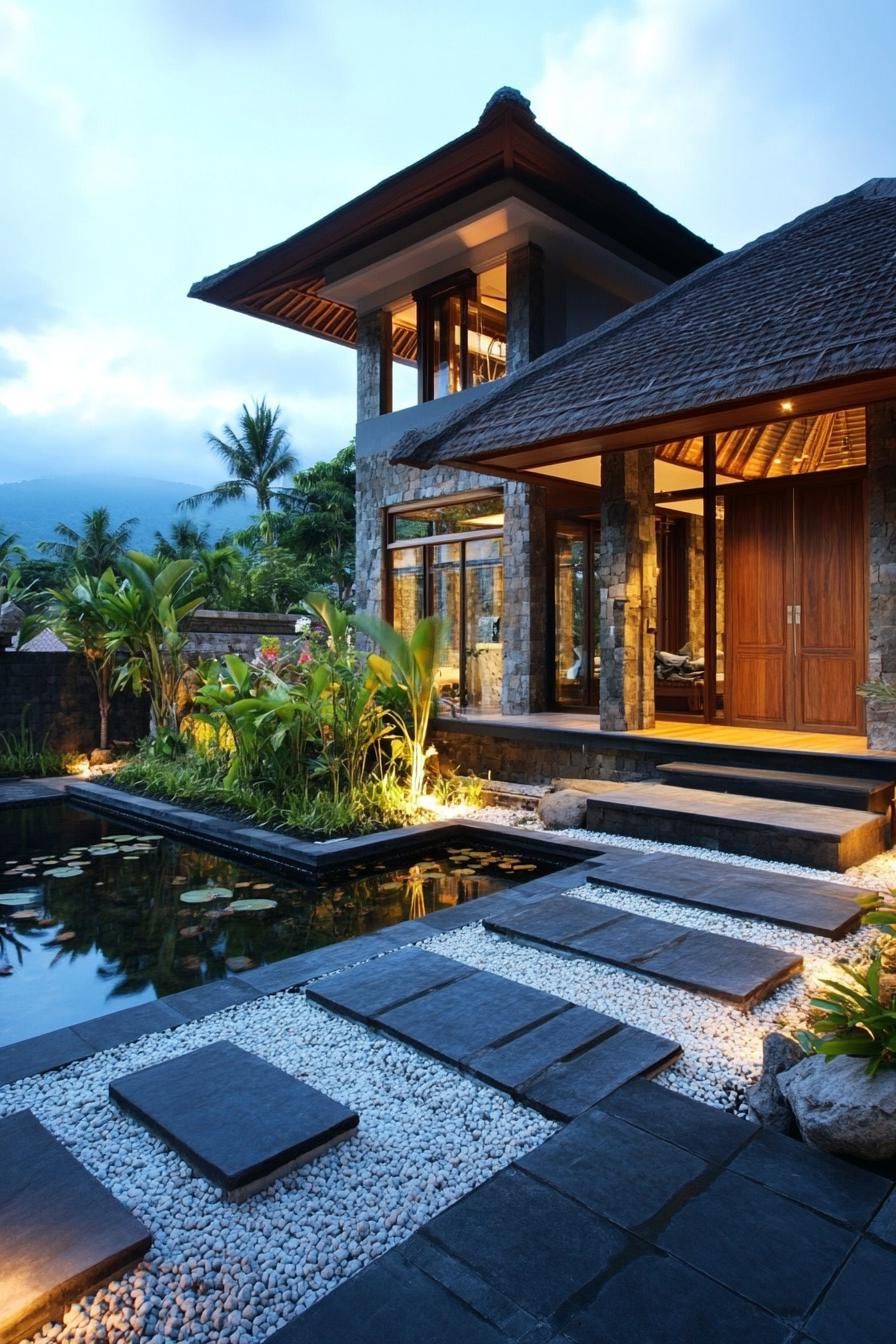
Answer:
(33, 508)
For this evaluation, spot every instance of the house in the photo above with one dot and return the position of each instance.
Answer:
(641, 480)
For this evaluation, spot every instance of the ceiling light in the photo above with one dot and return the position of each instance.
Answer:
(786, 407)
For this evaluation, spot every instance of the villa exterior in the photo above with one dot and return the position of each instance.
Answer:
(594, 385)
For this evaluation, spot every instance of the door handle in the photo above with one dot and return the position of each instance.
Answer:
(797, 614)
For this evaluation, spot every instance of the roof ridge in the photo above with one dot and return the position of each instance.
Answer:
(417, 438)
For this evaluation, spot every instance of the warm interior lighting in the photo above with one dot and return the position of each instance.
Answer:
(484, 520)
(786, 407)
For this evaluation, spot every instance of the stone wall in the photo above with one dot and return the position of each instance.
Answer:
(528, 762)
(881, 447)
(61, 700)
(214, 633)
(382, 483)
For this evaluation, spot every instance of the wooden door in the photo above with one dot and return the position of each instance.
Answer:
(829, 604)
(758, 559)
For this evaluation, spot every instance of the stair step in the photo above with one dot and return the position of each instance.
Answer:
(705, 963)
(870, 795)
(805, 833)
(809, 904)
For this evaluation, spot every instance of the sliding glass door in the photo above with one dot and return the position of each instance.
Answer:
(575, 616)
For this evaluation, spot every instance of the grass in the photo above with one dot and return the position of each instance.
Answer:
(22, 754)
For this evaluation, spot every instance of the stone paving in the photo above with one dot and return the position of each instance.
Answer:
(708, 963)
(809, 904)
(234, 1118)
(61, 1232)
(543, 1050)
(650, 1217)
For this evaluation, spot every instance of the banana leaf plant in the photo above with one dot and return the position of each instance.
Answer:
(409, 666)
(852, 1019)
(78, 614)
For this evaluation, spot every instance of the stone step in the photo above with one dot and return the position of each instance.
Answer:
(869, 795)
(705, 963)
(806, 833)
(543, 1050)
(62, 1234)
(805, 903)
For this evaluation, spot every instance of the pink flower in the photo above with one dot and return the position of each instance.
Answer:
(304, 657)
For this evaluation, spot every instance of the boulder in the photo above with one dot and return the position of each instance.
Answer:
(560, 811)
(101, 756)
(839, 1109)
(765, 1100)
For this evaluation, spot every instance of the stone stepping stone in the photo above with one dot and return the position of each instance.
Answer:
(708, 963)
(519, 1061)
(62, 1233)
(809, 904)
(373, 987)
(234, 1118)
(572, 1086)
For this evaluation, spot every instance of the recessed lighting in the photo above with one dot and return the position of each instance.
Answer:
(787, 406)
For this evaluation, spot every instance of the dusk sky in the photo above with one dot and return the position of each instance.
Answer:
(147, 143)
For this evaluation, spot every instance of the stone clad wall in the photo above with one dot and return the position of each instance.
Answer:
(62, 702)
(382, 483)
(881, 441)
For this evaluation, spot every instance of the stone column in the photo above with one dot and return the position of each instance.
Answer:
(627, 575)
(880, 421)
(524, 621)
(525, 305)
(374, 364)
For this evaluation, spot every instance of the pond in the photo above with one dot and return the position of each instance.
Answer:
(97, 915)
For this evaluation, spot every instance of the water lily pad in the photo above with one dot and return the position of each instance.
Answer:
(237, 885)
(104, 851)
(201, 895)
(25, 914)
(253, 903)
(389, 886)
(65, 937)
(178, 881)
(463, 872)
(239, 963)
(189, 963)
(262, 886)
(191, 931)
(68, 871)
(118, 839)
(130, 858)
(18, 897)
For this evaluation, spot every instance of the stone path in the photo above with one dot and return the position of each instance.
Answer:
(649, 1218)
(708, 963)
(233, 1117)
(61, 1232)
(806, 903)
(541, 1049)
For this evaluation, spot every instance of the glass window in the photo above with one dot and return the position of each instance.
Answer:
(483, 606)
(570, 662)
(462, 332)
(438, 519)
(407, 589)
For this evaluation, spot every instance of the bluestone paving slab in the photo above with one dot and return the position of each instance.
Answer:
(466, 1283)
(709, 963)
(571, 1087)
(370, 989)
(511, 1065)
(102, 1033)
(653, 1299)
(528, 1240)
(771, 1250)
(233, 1117)
(193, 1004)
(884, 1225)
(811, 904)
(848, 1193)
(706, 1131)
(615, 1169)
(39, 1054)
(389, 1302)
(859, 1304)
(61, 1232)
(464, 1017)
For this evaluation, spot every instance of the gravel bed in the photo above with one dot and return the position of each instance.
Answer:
(236, 1272)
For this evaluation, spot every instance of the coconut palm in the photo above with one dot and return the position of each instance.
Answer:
(185, 539)
(257, 457)
(78, 614)
(97, 546)
(11, 553)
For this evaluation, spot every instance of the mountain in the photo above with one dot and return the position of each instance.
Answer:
(33, 508)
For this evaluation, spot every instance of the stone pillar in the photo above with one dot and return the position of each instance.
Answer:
(525, 305)
(880, 422)
(524, 620)
(627, 574)
(374, 364)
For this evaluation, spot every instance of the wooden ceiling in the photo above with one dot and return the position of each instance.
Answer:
(782, 448)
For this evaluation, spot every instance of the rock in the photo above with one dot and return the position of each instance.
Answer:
(101, 756)
(839, 1109)
(766, 1103)
(563, 810)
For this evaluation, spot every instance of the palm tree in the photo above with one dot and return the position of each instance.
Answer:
(184, 540)
(11, 553)
(97, 546)
(257, 458)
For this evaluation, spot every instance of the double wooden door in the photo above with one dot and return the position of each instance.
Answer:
(795, 607)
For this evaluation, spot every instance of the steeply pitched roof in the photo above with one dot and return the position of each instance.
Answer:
(283, 282)
(811, 303)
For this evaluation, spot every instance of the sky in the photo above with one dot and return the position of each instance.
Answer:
(147, 143)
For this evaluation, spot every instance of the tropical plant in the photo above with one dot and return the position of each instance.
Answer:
(146, 618)
(185, 540)
(257, 456)
(854, 1019)
(408, 665)
(98, 545)
(11, 553)
(79, 613)
(21, 753)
